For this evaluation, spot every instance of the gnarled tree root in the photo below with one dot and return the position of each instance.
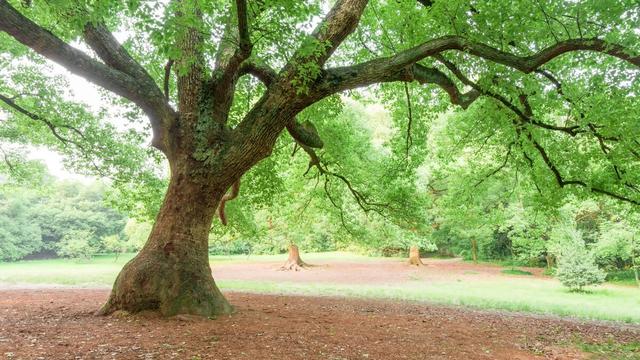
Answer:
(150, 283)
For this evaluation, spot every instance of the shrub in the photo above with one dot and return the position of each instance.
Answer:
(76, 244)
(137, 234)
(114, 244)
(577, 268)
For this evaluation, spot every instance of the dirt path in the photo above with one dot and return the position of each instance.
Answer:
(59, 324)
(369, 272)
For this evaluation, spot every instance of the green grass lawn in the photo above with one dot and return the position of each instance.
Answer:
(524, 293)
(515, 272)
(101, 270)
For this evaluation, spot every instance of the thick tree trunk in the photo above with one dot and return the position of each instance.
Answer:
(414, 256)
(294, 262)
(171, 274)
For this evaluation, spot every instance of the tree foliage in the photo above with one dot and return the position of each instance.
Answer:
(64, 218)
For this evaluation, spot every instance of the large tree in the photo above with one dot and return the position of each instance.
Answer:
(539, 72)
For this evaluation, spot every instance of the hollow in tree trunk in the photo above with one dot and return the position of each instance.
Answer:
(294, 262)
(414, 256)
(171, 274)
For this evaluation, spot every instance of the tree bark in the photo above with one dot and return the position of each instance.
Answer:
(635, 266)
(414, 256)
(171, 274)
(474, 250)
(550, 261)
(294, 262)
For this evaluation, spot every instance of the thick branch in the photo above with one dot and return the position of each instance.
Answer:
(102, 41)
(305, 134)
(262, 72)
(336, 26)
(230, 65)
(393, 68)
(347, 78)
(243, 27)
(167, 78)
(48, 45)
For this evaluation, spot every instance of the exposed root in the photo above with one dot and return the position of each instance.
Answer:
(294, 266)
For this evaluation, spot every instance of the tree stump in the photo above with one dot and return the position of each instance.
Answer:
(294, 262)
(414, 256)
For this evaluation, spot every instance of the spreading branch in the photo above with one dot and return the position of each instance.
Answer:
(52, 127)
(402, 66)
(361, 199)
(499, 168)
(348, 78)
(339, 23)
(262, 72)
(121, 83)
(524, 117)
(242, 50)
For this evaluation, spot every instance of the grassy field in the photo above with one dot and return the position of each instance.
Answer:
(523, 293)
(102, 270)
(541, 297)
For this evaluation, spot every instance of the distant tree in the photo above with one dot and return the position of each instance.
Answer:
(114, 244)
(19, 235)
(619, 247)
(67, 206)
(76, 244)
(137, 233)
(577, 267)
(45, 212)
